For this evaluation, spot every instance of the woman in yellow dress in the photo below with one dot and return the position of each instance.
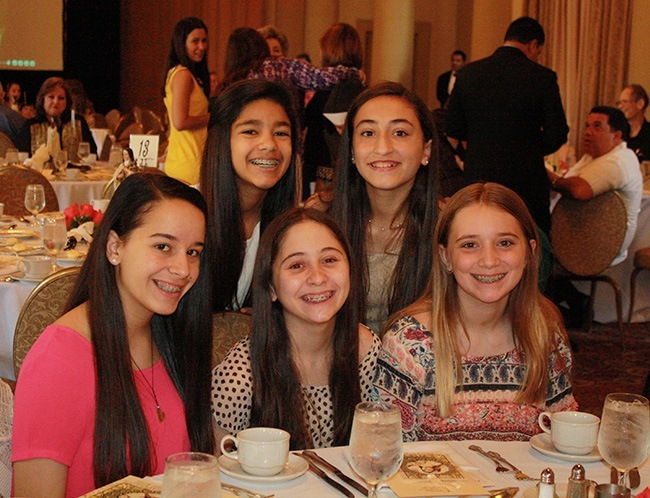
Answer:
(186, 91)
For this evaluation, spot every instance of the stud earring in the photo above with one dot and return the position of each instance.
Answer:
(353, 160)
(425, 162)
(114, 261)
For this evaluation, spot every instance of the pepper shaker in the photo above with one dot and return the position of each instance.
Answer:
(577, 487)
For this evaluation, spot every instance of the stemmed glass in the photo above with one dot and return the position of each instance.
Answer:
(61, 161)
(83, 151)
(624, 435)
(55, 236)
(376, 450)
(34, 199)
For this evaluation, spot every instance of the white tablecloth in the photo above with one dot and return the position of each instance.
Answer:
(12, 297)
(521, 454)
(99, 135)
(77, 191)
(604, 304)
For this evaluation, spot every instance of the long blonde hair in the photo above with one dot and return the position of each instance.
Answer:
(536, 323)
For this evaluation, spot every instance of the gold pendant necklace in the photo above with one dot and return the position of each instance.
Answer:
(159, 411)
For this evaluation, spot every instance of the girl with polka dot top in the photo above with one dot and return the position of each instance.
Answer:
(308, 361)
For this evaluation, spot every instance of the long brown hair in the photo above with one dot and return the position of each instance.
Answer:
(278, 400)
(536, 323)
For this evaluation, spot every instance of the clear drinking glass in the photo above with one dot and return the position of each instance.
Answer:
(188, 475)
(376, 450)
(624, 435)
(61, 162)
(34, 199)
(83, 151)
(55, 236)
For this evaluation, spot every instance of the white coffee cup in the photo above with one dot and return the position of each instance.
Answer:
(71, 173)
(100, 204)
(261, 451)
(574, 433)
(36, 266)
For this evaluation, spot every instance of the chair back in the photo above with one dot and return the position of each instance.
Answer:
(228, 328)
(587, 235)
(43, 307)
(124, 136)
(13, 182)
(112, 118)
(5, 143)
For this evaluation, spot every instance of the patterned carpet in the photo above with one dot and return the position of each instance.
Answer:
(604, 363)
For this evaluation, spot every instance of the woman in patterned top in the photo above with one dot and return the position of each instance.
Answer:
(308, 361)
(482, 352)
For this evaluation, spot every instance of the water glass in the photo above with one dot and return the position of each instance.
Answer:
(83, 151)
(55, 236)
(376, 450)
(34, 199)
(61, 162)
(624, 435)
(188, 475)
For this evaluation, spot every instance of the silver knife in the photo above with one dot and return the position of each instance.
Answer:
(348, 480)
(320, 473)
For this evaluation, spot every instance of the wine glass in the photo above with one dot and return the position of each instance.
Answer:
(61, 161)
(376, 450)
(34, 199)
(624, 435)
(83, 151)
(191, 474)
(55, 236)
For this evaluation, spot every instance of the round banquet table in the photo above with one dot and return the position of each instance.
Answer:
(81, 191)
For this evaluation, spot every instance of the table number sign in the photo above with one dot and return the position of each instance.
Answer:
(145, 149)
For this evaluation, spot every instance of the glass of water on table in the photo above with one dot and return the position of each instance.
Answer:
(376, 450)
(55, 236)
(191, 474)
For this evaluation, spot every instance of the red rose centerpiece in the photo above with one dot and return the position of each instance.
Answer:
(76, 215)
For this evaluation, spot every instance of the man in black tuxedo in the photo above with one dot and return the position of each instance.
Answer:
(508, 109)
(447, 80)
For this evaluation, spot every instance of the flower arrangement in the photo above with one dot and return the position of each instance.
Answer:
(76, 215)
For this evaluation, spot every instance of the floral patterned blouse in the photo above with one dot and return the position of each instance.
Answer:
(485, 408)
(296, 73)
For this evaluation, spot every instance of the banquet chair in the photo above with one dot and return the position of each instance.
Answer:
(43, 307)
(99, 121)
(5, 143)
(6, 424)
(151, 123)
(123, 137)
(228, 328)
(641, 262)
(13, 182)
(586, 236)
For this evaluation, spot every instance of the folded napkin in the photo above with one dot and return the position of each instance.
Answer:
(40, 157)
(83, 232)
(53, 141)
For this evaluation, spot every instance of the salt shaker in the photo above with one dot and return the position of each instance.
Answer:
(546, 487)
(577, 487)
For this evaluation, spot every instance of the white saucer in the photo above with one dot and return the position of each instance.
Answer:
(20, 276)
(295, 467)
(6, 220)
(543, 444)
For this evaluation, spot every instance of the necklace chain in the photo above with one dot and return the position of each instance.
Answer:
(152, 384)
(391, 227)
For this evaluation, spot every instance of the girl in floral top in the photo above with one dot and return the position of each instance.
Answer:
(482, 352)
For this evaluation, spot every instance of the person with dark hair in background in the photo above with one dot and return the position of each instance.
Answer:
(122, 380)
(186, 91)
(446, 81)
(508, 109)
(248, 178)
(11, 124)
(13, 95)
(634, 102)
(308, 360)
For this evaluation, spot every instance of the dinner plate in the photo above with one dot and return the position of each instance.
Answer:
(30, 251)
(6, 220)
(543, 444)
(294, 468)
(19, 233)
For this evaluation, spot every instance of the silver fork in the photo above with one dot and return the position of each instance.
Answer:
(518, 473)
(500, 468)
(243, 492)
